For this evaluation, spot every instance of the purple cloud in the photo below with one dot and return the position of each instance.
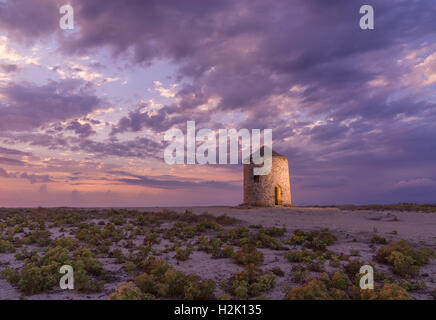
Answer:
(30, 106)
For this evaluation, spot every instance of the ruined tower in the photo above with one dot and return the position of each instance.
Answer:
(268, 190)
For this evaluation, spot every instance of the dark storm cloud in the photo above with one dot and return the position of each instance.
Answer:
(166, 183)
(48, 140)
(138, 147)
(83, 130)
(30, 106)
(29, 19)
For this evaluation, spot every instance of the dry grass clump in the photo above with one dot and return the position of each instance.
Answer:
(248, 255)
(339, 287)
(316, 240)
(160, 280)
(249, 283)
(402, 259)
(41, 274)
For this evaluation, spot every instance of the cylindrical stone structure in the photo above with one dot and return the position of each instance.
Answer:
(273, 189)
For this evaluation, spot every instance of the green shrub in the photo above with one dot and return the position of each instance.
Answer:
(299, 274)
(67, 243)
(117, 220)
(277, 271)
(40, 237)
(248, 255)
(402, 259)
(300, 256)
(126, 291)
(34, 279)
(146, 282)
(211, 245)
(335, 262)
(353, 267)
(274, 231)
(249, 283)
(392, 291)
(316, 240)
(183, 255)
(313, 289)
(117, 254)
(161, 280)
(130, 268)
(228, 251)
(11, 275)
(86, 259)
(378, 239)
(340, 280)
(241, 291)
(402, 265)
(412, 286)
(199, 290)
(225, 296)
(264, 240)
(237, 236)
(6, 246)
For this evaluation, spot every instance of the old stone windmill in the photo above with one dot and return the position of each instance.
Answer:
(268, 190)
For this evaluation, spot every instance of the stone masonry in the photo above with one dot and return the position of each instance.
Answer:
(268, 190)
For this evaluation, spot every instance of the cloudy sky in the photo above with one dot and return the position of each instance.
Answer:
(83, 112)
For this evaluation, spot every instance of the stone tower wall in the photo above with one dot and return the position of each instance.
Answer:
(262, 193)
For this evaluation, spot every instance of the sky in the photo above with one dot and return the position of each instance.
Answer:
(83, 112)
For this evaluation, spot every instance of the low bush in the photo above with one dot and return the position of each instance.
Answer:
(300, 256)
(264, 239)
(183, 254)
(353, 268)
(248, 254)
(160, 280)
(6, 246)
(412, 286)
(340, 280)
(126, 291)
(392, 291)
(316, 240)
(378, 239)
(249, 283)
(11, 275)
(299, 274)
(313, 289)
(67, 243)
(228, 251)
(277, 271)
(402, 259)
(211, 246)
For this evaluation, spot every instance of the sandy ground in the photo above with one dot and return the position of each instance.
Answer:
(414, 226)
(354, 230)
